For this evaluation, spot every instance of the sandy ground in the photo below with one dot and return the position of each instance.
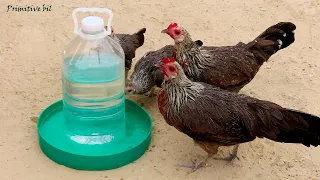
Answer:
(30, 62)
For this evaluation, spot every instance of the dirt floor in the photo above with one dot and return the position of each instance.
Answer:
(30, 61)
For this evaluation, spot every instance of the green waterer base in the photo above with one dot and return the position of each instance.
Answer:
(84, 153)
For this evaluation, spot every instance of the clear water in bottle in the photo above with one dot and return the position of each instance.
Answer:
(93, 83)
(92, 88)
(95, 95)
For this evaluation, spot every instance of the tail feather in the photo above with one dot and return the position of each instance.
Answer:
(273, 39)
(308, 135)
(140, 36)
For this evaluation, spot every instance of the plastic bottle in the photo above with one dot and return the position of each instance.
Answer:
(93, 82)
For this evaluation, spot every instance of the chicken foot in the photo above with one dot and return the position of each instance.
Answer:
(203, 163)
(210, 148)
(196, 164)
(232, 155)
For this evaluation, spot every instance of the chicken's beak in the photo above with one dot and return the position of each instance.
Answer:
(165, 31)
(129, 90)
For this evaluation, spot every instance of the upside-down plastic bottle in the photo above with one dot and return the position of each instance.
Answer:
(93, 81)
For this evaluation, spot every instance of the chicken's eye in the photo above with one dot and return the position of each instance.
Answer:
(177, 32)
(172, 69)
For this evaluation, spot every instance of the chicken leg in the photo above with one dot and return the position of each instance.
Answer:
(232, 155)
(210, 148)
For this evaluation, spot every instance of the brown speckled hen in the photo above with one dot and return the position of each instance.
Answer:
(229, 67)
(145, 76)
(129, 43)
(215, 117)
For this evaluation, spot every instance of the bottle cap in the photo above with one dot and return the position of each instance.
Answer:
(92, 24)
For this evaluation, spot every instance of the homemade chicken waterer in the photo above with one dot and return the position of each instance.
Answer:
(94, 127)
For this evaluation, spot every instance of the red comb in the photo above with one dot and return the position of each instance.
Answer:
(172, 25)
(168, 60)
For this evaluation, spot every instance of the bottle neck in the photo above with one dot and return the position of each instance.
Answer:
(92, 36)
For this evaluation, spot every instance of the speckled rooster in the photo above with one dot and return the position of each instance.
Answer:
(229, 67)
(215, 117)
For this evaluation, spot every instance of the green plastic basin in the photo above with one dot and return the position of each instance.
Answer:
(93, 152)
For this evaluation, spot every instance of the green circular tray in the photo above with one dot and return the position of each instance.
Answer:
(57, 144)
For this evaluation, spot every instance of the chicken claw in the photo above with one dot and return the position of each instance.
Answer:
(232, 155)
(196, 164)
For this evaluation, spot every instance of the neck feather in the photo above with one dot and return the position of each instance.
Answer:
(196, 60)
(181, 90)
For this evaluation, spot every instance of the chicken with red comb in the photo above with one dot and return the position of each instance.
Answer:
(229, 67)
(215, 117)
